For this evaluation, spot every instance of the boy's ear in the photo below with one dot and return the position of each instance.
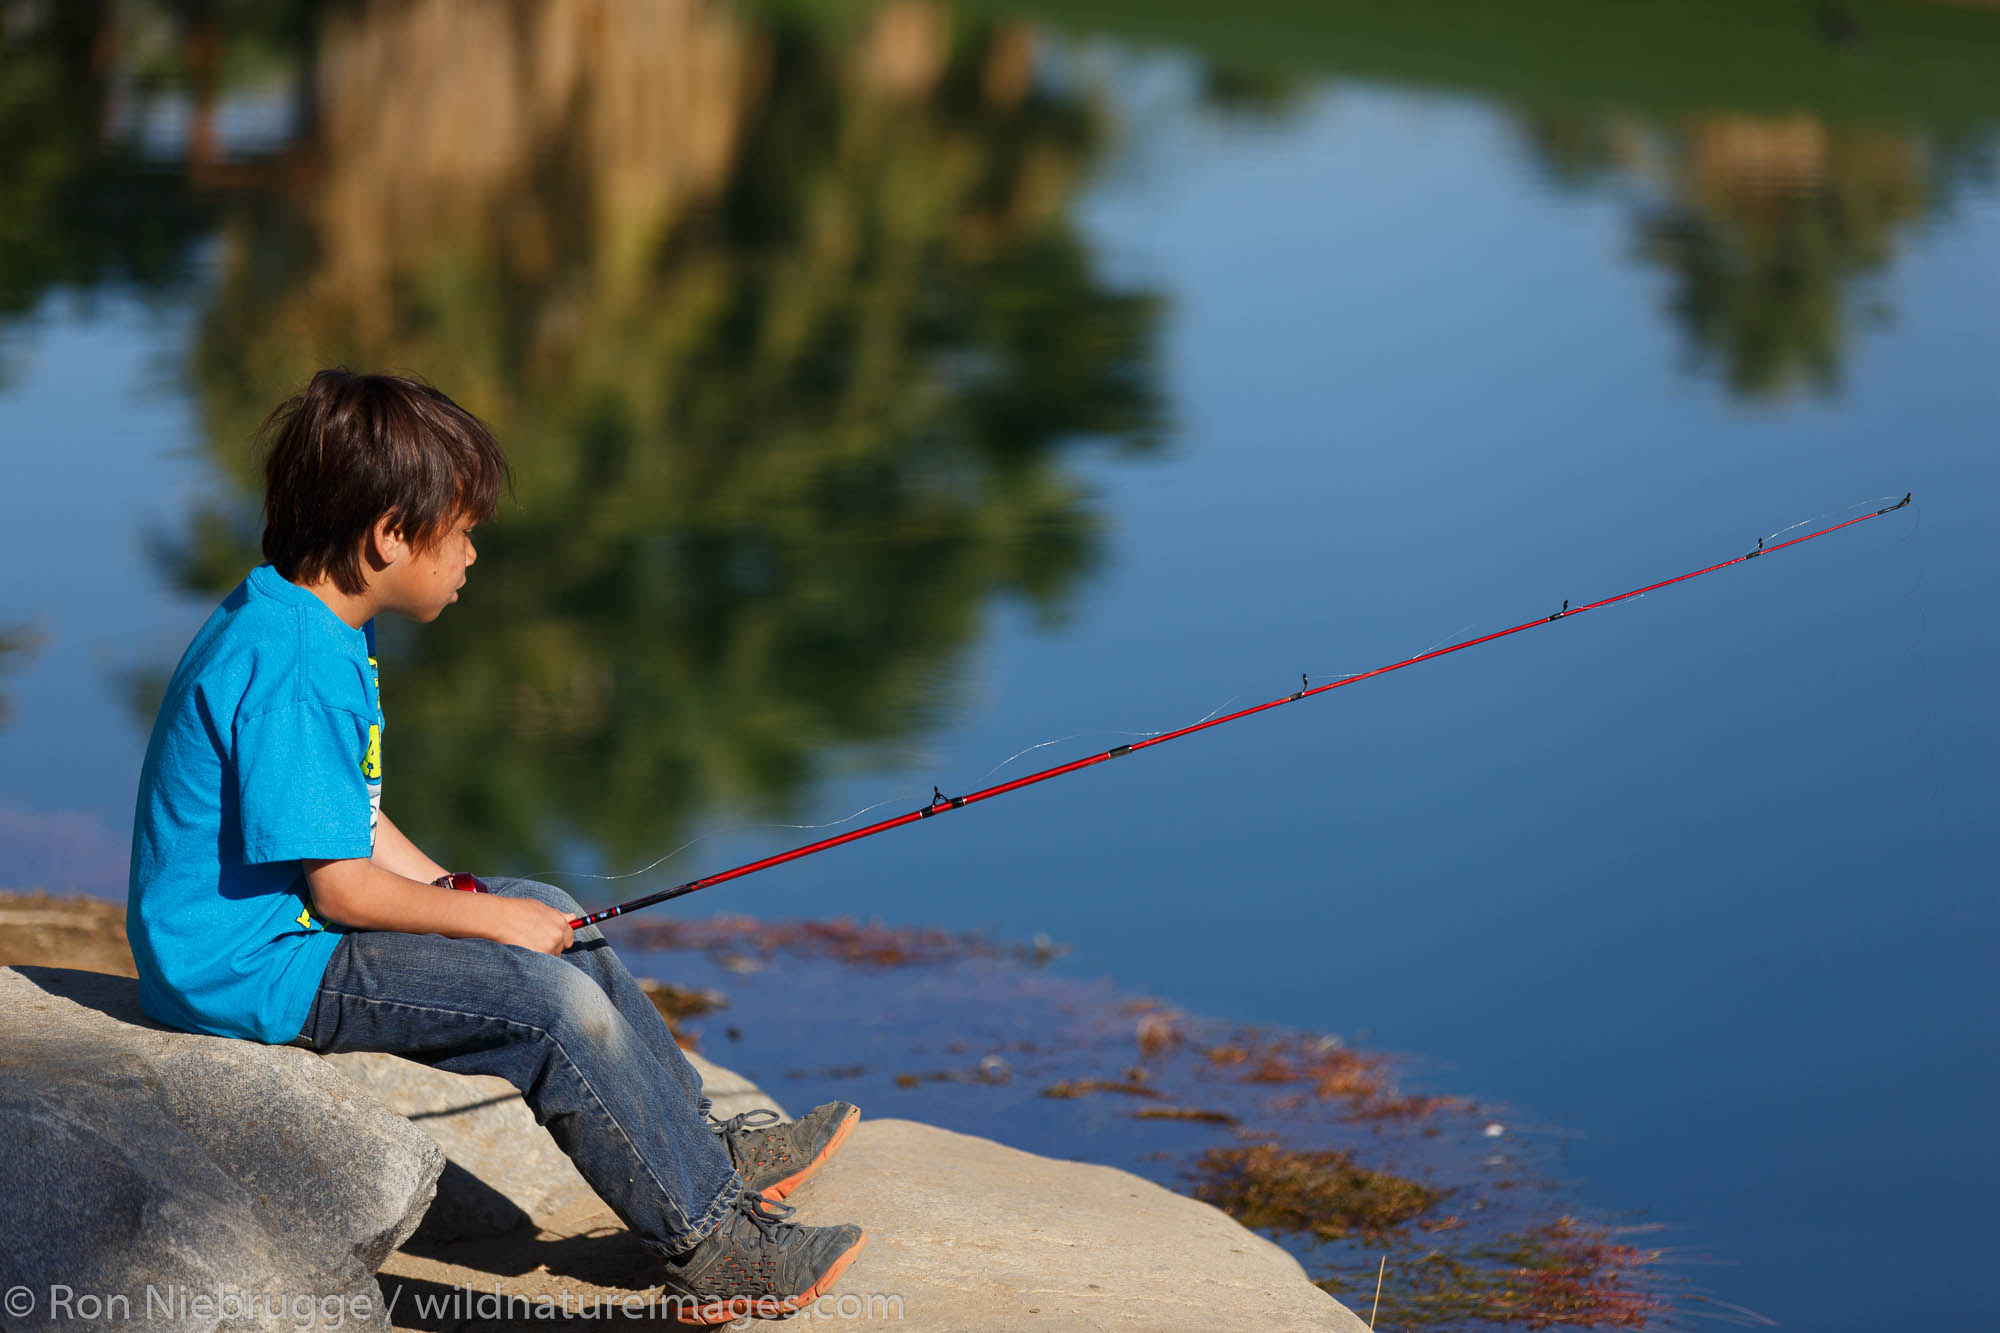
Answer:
(385, 546)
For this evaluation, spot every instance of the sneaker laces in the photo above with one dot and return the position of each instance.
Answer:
(773, 1219)
(761, 1118)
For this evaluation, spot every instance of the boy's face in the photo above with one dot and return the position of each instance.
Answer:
(420, 582)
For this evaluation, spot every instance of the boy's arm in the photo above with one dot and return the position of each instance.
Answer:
(394, 852)
(362, 895)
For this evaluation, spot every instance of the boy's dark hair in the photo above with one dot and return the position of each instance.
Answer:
(353, 448)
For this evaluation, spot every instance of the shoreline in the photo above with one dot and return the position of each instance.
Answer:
(1292, 1134)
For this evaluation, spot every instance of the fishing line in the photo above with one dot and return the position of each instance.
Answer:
(906, 793)
(1076, 735)
(849, 819)
(715, 833)
(1349, 675)
(942, 804)
(1825, 514)
(918, 792)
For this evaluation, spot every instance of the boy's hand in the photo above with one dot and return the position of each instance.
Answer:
(532, 925)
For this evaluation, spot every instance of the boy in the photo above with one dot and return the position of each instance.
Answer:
(272, 899)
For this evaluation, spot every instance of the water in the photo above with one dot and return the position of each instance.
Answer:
(985, 387)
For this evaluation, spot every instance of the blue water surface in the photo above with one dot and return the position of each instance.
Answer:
(1696, 886)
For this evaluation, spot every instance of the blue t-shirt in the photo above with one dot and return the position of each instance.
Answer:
(267, 750)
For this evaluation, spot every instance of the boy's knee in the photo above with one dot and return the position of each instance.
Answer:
(542, 893)
(582, 1009)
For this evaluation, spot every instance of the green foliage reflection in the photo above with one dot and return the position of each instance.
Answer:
(79, 207)
(788, 397)
(17, 645)
(1767, 226)
(779, 310)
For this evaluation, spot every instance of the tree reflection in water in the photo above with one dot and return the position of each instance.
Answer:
(779, 309)
(17, 645)
(1767, 225)
(787, 332)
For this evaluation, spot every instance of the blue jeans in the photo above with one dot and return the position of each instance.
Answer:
(576, 1034)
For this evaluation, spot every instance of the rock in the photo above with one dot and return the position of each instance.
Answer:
(504, 1171)
(86, 933)
(118, 1164)
(964, 1236)
(203, 1182)
(974, 1236)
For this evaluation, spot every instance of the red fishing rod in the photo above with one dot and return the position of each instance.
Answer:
(942, 803)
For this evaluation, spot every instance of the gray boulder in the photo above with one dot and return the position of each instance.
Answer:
(964, 1236)
(968, 1235)
(187, 1182)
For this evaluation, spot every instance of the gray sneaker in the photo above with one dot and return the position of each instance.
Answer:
(776, 1158)
(759, 1263)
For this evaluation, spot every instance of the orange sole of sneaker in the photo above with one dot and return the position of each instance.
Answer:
(776, 1193)
(768, 1307)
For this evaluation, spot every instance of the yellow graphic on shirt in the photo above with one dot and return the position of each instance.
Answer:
(305, 919)
(371, 763)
